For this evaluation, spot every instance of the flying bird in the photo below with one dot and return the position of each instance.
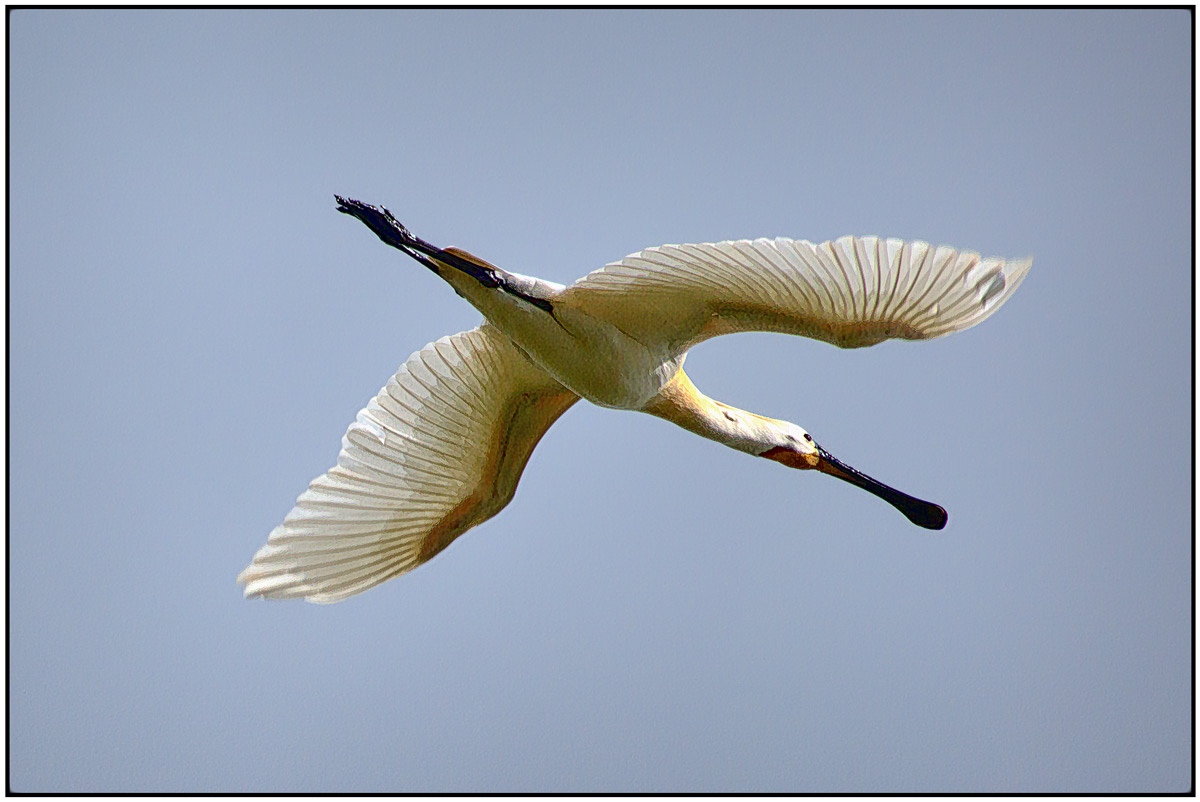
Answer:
(442, 446)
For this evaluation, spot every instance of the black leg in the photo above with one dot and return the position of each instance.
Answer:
(390, 230)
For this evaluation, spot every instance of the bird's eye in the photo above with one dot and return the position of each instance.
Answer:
(808, 437)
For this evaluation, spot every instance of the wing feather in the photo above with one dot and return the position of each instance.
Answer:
(438, 450)
(852, 292)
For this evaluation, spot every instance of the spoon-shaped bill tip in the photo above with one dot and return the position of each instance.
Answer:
(925, 513)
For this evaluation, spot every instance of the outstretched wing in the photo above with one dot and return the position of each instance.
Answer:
(851, 292)
(439, 450)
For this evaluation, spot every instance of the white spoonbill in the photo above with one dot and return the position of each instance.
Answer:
(440, 449)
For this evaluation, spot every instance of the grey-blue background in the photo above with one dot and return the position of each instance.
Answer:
(192, 327)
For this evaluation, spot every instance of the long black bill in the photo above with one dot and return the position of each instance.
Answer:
(922, 513)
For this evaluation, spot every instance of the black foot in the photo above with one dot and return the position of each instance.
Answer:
(389, 229)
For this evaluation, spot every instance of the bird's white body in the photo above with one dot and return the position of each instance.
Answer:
(587, 355)
(443, 445)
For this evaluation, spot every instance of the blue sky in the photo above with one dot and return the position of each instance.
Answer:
(192, 327)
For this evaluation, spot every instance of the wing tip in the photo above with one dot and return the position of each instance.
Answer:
(261, 582)
(292, 582)
(1017, 269)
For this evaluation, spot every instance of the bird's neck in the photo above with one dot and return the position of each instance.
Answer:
(682, 404)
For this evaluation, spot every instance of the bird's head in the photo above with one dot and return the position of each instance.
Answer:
(797, 449)
(794, 447)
